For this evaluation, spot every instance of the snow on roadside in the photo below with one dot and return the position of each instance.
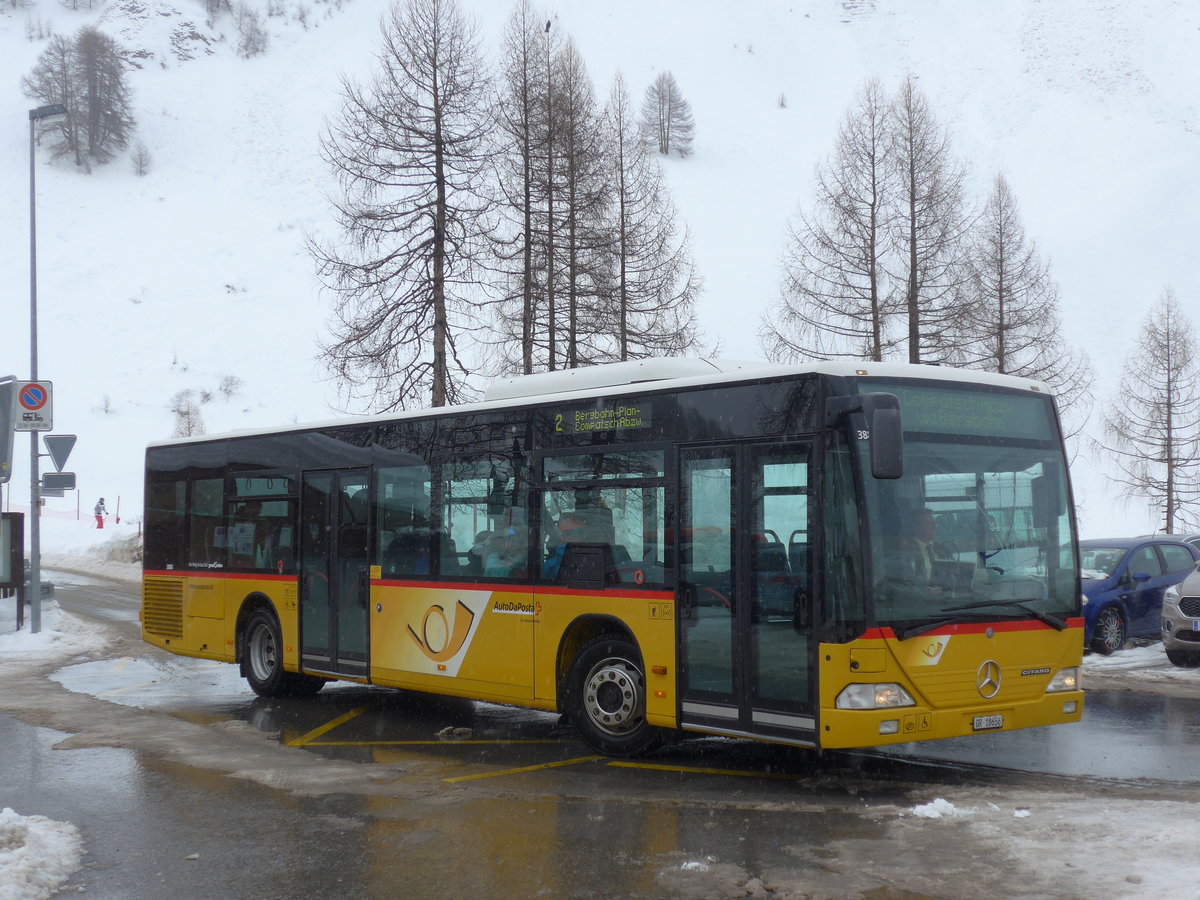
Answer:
(1120, 847)
(36, 855)
(1138, 668)
(62, 637)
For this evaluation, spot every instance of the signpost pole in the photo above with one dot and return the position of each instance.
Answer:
(53, 112)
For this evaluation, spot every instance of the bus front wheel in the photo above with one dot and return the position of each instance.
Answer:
(263, 661)
(607, 699)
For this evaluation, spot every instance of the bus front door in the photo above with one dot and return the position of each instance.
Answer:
(743, 591)
(334, 573)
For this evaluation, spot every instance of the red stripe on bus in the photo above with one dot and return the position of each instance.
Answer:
(510, 588)
(971, 628)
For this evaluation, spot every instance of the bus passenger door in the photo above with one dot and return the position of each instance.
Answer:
(334, 573)
(744, 575)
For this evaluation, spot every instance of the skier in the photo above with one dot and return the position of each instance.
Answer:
(100, 512)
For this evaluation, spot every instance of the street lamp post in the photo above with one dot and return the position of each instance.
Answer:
(50, 113)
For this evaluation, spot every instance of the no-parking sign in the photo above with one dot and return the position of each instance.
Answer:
(34, 407)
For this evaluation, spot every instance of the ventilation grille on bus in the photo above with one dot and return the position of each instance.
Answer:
(162, 606)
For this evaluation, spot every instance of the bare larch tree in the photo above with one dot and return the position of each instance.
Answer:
(584, 202)
(520, 115)
(105, 102)
(87, 75)
(654, 281)
(929, 226)
(1010, 320)
(667, 122)
(1152, 426)
(409, 153)
(837, 297)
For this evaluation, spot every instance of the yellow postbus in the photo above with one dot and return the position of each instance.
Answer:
(831, 555)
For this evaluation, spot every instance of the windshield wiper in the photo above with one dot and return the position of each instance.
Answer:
(903, 634)
(1053, 621)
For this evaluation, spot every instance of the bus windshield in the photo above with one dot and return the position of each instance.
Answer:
(979, 526)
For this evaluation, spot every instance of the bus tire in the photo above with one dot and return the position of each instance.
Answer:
(607, 698)
(263, 666)
(263, 662)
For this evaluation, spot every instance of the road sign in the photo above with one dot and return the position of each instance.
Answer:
(8, 409)
(59, 447)
(58, 481)
(34, 406)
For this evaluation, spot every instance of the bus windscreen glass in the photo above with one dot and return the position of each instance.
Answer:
(979, 525)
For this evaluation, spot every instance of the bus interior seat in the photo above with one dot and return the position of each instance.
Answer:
(405, 554)
(798, 556)
(596, 522)
(769, 558)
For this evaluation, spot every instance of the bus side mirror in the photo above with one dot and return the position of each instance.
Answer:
(882, 412)
(1046, 501)
(887, 435)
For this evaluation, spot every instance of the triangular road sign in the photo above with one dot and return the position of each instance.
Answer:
(59, 447)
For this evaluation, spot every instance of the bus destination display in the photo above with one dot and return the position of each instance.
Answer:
(949, 411)
(616, 416)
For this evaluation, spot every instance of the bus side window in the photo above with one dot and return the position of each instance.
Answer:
(207, 531)
(402, 520)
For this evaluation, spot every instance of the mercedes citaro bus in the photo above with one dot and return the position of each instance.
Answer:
(827, 555)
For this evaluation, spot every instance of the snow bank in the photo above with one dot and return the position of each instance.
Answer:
(36, 855)
(62, 636)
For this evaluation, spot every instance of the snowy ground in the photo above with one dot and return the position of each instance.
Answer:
(1126, 847)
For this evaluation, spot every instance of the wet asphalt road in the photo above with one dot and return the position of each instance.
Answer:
(465, 799)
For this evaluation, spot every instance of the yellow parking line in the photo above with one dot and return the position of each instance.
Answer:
(496, 742)
(549, 765)
(327, 727)
(698, 770)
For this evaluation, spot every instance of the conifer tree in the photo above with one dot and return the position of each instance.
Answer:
(838, 299)
(1009, 318)
(667, 121)
(409, 154)
(1152, 426)
(86, 75)
(654, 281)
(521, 134)
(929, 225)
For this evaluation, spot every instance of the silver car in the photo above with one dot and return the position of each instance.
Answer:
(1181, 622)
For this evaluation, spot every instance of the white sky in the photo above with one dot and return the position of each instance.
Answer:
(150, 286)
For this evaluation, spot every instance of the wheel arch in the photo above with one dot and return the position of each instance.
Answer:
(253, 602)
(577, 635)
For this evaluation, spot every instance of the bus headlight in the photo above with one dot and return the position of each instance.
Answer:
(873, 696)
(1065, 680)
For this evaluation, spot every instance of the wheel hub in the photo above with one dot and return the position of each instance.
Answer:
(262, 653)
(613, 696)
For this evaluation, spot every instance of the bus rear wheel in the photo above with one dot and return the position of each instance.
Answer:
(262, 662)
(607, 698)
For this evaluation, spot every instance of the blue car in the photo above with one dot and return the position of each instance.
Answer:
(1123, 584)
